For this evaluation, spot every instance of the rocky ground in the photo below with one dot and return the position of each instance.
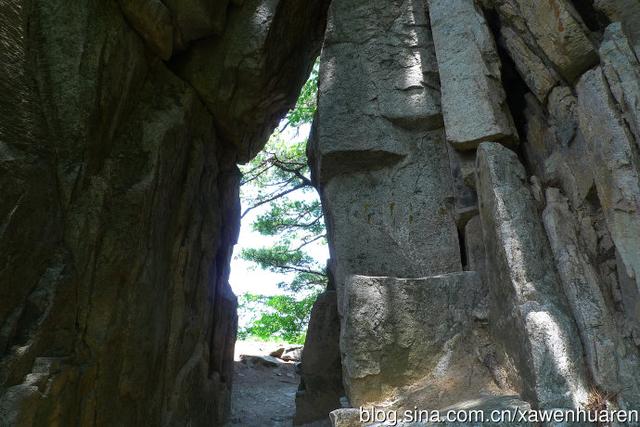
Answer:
(264, 386)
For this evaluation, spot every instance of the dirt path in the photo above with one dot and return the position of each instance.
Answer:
(262, 395)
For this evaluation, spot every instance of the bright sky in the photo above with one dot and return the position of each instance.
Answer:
(248, 277)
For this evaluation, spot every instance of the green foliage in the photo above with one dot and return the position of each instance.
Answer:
(309, 275)
(306, 105)
(281, 316)
(281, 163)
(291, 216)
(278, 178)
(280, 175)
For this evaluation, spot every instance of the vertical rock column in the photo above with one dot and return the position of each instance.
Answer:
(121, 124)
(321, 372)
(378, 150)
(612, 366)
(380, 159)
(529, 317)
(473, 100)
(587, 146)
(609, 118)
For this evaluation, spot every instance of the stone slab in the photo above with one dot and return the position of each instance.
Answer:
(473, 99)
(529, 315)
(397, 331)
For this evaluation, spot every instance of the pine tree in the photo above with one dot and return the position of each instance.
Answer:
(279, 178)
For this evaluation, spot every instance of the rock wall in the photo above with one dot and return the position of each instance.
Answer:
(121, 125)
(478, 163)
(500, 137)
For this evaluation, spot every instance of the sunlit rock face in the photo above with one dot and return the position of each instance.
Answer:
(119, 198)
(479, 168)
(500, 138)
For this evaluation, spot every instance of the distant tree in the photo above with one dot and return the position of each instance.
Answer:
(279, 177)
(276, 317)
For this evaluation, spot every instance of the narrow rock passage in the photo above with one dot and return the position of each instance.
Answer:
(264, 388)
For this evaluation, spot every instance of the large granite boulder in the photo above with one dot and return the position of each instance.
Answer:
(616, 167)
(119, 206)
(382, 167)
(120, 128)
(398, 331)
(554, 301)
(557, 32)
(249, 76)
(611, 362)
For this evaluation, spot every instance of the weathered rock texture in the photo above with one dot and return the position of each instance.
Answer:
(321, 373)
(396, 330)
(119, 198)
(413, 152)
(474, 102)
(390, 215)
(469, 271)
(527, 307)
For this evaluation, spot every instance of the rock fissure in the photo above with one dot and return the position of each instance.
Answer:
(479, 170)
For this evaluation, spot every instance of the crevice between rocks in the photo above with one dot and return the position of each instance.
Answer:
(463, 249)
(595, 20)
(514, 86)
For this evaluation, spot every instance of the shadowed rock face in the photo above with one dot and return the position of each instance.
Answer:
(500, 276)
(119, 198)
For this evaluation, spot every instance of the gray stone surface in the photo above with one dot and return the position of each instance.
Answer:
(121, 123)
(462, 167)
(615, 166)
(556, 30)
(152, 20)
(401, 330)
(539, 142)
(247, 76)
(529, 316)
(626, 12)
(474, 246)
(350, 417)
(385, 182)
(196, 19)
(539, 77)
(398, 221)
(622, 70)
(118, 213)
(583, 287)
(321, 373)
(555, 146)
(345, 417)
(473, 99)
(260, 360)
(379, 87)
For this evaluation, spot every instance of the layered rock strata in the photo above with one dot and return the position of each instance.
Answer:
(547, 227)
(500, 276)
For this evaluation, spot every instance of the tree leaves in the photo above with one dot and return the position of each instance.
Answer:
(306, 105)
(300, 217)
(279, 316)
(279, 178)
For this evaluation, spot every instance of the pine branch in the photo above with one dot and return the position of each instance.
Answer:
(272, 198)
(308, 242)
(301, 270)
